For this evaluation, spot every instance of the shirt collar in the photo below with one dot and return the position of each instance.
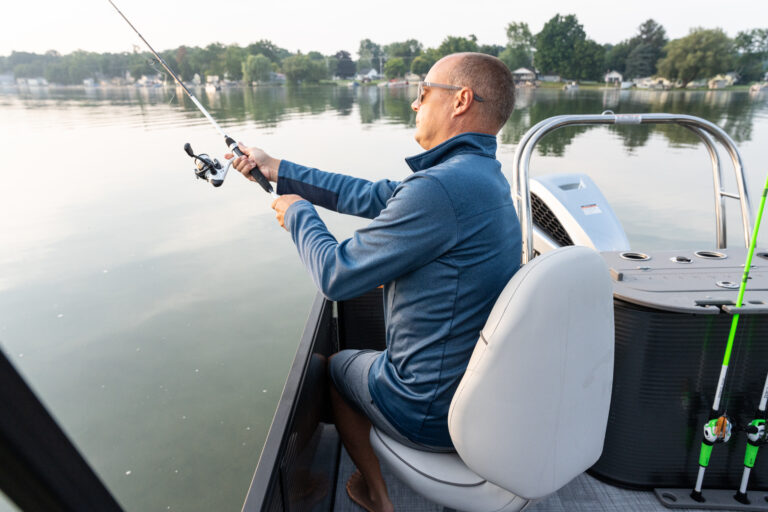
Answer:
(470, 142)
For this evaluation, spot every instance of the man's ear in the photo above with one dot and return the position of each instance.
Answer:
(461, 102)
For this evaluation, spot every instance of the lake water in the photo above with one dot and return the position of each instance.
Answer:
(157, 316)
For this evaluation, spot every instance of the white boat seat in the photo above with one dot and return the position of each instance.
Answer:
(531, 411)
(442, 477)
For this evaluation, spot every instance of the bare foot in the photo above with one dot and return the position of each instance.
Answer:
(358, 492)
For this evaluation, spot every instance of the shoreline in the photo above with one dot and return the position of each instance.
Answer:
(341, 83)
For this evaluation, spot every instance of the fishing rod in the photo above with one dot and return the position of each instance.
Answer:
(207, 168)
(719, 427)
(756, 436)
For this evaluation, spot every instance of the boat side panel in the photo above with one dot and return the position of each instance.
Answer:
(40, 468)
(298, 466)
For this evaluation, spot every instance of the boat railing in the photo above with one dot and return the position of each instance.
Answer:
(708, 132)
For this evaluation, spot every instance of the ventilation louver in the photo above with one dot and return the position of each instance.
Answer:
(547, 222)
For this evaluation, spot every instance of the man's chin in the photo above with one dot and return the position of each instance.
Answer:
(419, 138)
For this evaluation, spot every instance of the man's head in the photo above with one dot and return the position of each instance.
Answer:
(479, 98)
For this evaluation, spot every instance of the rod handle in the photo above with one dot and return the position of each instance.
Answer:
(255, 173)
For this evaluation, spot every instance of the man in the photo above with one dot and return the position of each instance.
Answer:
(443, 242)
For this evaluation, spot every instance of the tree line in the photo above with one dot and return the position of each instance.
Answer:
(560, 48)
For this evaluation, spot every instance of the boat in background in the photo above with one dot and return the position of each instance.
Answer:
(571, 86)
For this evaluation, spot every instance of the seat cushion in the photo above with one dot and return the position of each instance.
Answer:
(443, 477)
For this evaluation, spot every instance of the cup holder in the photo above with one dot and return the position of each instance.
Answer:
(634, 256)
(669, 496)
(728, 285)
(711, 255)
(681, 259)
(763, 255)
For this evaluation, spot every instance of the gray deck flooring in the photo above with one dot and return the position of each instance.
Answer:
(583, 494)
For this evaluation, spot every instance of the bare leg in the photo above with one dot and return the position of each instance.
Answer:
(354, 429)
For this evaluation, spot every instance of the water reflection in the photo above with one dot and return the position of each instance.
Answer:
(268, 106)
(734, 112)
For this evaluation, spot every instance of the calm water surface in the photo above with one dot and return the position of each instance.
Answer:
(157, 316)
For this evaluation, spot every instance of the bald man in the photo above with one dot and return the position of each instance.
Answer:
(443, 242)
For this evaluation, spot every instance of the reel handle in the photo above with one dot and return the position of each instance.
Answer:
(255, 173)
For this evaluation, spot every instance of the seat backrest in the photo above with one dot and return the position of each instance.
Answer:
(531, 411)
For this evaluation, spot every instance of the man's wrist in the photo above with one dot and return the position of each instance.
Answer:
(274, 168)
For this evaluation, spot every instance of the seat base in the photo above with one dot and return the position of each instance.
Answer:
(443, 478)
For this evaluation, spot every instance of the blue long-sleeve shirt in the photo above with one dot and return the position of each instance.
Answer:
(443, 242)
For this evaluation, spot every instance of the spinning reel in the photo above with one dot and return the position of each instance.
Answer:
(208, 169)
(718, 430)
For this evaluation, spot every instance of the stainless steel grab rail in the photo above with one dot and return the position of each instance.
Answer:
(708, 132)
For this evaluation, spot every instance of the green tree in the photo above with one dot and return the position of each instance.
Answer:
(26, 65)
(300, 68)
(185, 66)
(268, 49)
(651, 33)
(233, 62)
(345, 66)
(332, 63)
(257, 68)
(394, 67)
(406, 50)
(641, 61)
(701, 54)
(491, 49)
(519, 36)
(315, 56)
(556, 45)
(652, 37)
(519, 50)
(516, 58)
(752, 54)
(370, 56)
(213, 60)
(296, 68)
(454, 44)
(616, 56)
(318, 70)
(589, 57)
(420, 65)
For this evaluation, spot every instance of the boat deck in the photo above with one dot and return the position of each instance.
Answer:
(304, 467)
(584, 494)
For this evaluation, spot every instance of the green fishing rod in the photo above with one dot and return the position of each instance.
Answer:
(756, 436)
(208, 169)
(719, 427)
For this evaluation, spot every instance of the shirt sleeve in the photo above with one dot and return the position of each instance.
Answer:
(336, 192)
(416, 227)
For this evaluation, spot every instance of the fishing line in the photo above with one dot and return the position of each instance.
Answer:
(208, 169)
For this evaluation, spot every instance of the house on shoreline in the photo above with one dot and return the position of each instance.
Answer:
(524, 77)
(367, 75)
(613, 77)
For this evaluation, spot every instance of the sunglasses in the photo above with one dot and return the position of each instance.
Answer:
(422, 85)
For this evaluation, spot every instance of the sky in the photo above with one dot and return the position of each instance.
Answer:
(328, 26)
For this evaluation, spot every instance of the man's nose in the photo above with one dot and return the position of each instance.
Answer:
(415, 105)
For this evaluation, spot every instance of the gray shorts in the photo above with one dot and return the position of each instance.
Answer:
(349, 372)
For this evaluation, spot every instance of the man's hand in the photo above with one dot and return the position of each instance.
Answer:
(255, 157)
(281, 204)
